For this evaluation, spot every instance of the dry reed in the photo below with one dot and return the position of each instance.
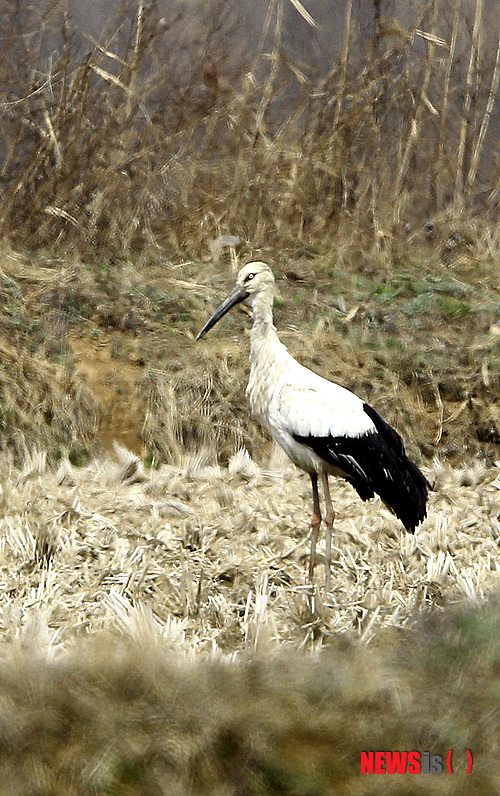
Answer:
(98, 155)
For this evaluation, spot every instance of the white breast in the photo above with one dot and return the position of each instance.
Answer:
(290, 399)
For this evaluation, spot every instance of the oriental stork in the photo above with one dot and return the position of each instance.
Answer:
(324, 428)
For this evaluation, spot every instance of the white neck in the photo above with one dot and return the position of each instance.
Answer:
(262, 309)
(268, 355)
(263, 335)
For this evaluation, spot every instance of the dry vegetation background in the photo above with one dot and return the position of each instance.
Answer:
(158, 634)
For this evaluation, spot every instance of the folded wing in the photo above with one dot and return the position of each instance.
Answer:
(354, 439)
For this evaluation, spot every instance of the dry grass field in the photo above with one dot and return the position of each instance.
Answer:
(159, 636)
(217, 554)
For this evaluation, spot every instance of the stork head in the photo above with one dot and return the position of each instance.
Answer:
(253, 279)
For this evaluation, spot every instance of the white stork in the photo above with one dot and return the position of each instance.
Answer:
(324, 428)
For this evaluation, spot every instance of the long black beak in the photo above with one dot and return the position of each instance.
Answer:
(236, 295)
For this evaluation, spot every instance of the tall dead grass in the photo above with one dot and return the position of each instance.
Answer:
(43, 401)
(130, 141)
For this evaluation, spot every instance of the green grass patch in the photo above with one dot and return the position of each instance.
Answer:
(454, 307)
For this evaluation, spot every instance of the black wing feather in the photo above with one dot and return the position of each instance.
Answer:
(376, 463)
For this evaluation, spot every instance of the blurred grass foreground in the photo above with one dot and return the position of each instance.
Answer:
(138, 715)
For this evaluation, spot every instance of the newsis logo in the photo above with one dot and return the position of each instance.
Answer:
(409, 763)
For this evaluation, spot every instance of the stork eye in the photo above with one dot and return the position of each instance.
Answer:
(249, 277)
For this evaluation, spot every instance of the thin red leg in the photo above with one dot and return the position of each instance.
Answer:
(329, 520)
(315, 523)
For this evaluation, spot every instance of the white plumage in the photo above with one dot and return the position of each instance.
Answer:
(324, 428)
